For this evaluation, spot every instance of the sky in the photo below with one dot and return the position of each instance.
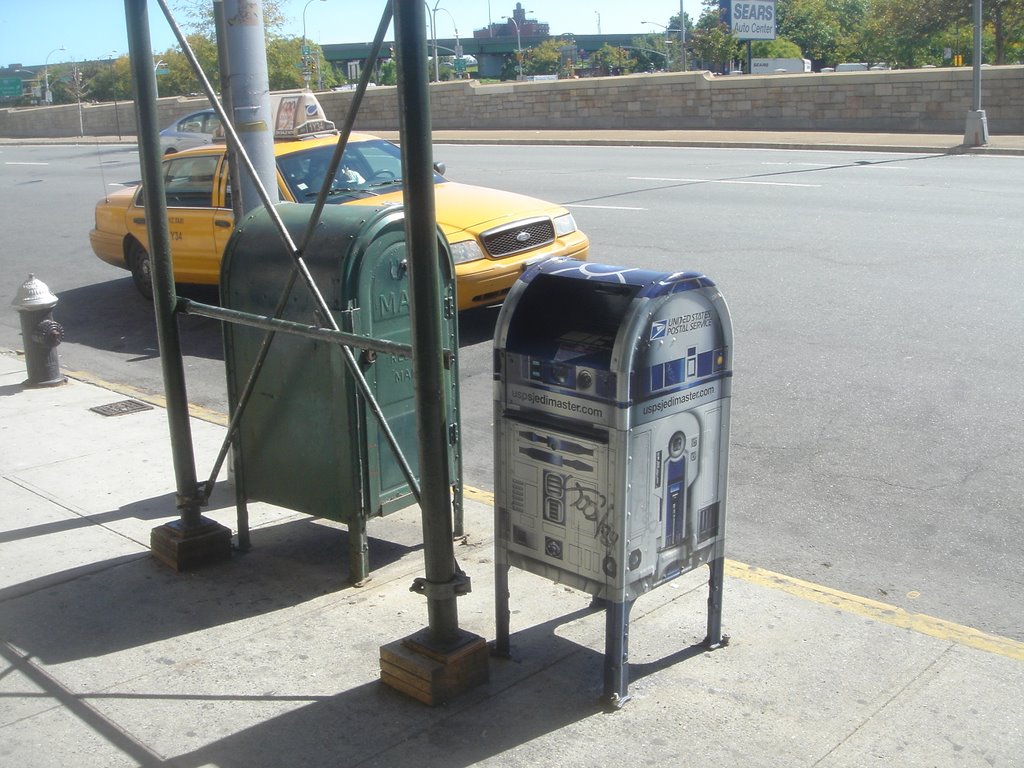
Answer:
(32, 32)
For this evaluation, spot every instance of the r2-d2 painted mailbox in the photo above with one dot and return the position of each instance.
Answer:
(612, 395)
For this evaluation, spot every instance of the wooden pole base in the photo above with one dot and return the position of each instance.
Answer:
(431, 674)
(186, 548)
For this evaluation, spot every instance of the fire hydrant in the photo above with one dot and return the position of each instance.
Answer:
(40, 332)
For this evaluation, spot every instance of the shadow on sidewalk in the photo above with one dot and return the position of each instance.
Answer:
(132, 601)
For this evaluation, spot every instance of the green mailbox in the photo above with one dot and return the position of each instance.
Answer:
(307, 439)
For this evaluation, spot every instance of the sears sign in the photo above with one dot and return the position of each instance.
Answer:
(750, 19)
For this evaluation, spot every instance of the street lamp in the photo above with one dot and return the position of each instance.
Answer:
(113, 88)
(47, 96)
(458, 45)
(77, 79)
(432, 15)
(160, 64)
(682, 39)
(519, 46)
(305, 50)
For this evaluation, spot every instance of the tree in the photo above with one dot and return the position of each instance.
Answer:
(651, 53)
(1007, 19)
(713, 42)
(609, 60)
(902, 34)
(545, 58)
(779, 48)
(821, 28)
(111, 80)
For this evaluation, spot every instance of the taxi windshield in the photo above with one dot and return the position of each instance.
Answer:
(366, 168)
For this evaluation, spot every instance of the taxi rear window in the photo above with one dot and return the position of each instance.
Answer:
(188, 182)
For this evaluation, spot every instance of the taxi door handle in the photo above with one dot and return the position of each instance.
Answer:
(139, 220)
(221, 223)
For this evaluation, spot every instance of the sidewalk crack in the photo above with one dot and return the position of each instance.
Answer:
(899, 692)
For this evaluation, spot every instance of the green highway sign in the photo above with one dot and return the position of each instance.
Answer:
(10, 87)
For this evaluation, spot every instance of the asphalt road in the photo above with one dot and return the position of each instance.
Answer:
(877, 311)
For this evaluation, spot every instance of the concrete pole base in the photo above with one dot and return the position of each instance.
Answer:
(976, 131)
(183, 549)
(434, 675)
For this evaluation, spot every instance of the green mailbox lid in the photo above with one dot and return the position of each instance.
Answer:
(349, 238)
(341, 233)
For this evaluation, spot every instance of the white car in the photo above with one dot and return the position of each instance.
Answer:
(192, 130)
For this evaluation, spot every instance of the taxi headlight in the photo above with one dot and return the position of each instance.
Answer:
(564, 225)
(467, 250)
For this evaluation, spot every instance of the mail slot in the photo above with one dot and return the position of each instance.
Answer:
(612, 395)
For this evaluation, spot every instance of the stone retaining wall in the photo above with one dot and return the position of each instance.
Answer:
(912, 101)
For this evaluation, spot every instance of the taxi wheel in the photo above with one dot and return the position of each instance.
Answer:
(142, 268)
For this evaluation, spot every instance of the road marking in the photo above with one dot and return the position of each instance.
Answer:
(14, 162)
(803, 165)
(195, 411)
(861, 606)
(723, 181)
(605, 207)
(876, 611)
(883, 613)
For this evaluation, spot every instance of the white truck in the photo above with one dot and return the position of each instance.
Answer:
(772, 66)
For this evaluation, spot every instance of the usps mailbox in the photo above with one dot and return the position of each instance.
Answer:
(308, 440)
(612, 394)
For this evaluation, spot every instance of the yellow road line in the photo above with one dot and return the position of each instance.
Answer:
(876, 611)
(196, 411)
(475, 494)
(860, 606)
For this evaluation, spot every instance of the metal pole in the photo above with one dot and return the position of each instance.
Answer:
(433, 37)
(164, 299)
(682, 32)
(77, 74)
(519, 46)
(302, 52)
(113, 88)
(250, 96)
(977, 55)
(976, 130)
(427, 312)
(47, 96)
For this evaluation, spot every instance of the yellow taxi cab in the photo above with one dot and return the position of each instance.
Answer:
(493, 234)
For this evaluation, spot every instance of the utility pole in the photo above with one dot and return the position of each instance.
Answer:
(682, 33)
(250, 96)
(976, 130)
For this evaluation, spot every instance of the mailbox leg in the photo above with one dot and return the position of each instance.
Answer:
(502, 614)
(717, 568)
(358, 551)
(241, 499)
(616, 653)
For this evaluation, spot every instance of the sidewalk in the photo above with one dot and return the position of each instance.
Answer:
(866, 142)
(111, 659)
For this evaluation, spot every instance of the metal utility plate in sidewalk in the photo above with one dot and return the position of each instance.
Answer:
(121, 407)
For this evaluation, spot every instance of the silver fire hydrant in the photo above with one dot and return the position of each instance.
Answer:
(40, 332)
